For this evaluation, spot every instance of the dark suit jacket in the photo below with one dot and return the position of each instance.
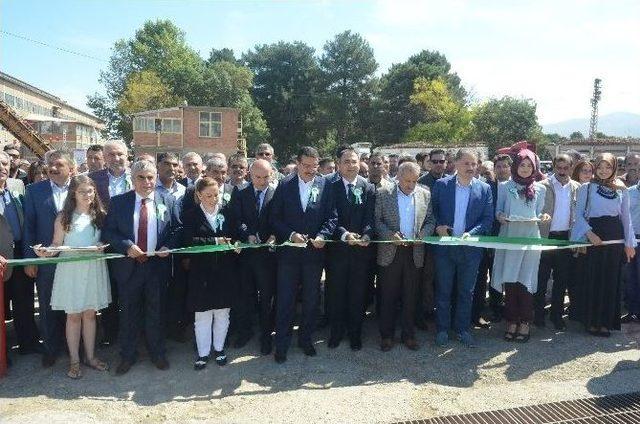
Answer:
(39, 216)
(15, 188)
(101, 178)
(118, 231)
(288, 217)
(246, 217)
(479, 216)
(352, 217)
(189, 198)
(210, 282)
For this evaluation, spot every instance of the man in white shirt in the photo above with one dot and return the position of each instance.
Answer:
(193, 167)
(559, 203)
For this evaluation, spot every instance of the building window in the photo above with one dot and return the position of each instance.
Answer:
(210, 124)
(172, 126)
(143, 124)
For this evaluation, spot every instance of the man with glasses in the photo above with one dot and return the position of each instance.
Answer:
(438, 163)
(265, 151)
(238, 167)
(632, 166)
(378, 171)
(193, 167)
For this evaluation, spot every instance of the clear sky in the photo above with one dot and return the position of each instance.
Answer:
(547, 50)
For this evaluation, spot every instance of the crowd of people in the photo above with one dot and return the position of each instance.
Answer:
(313, 216)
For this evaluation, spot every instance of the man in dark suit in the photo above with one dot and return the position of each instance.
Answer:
(301, 213)
(348, 262)
(112, 181)
(192, 164)
(42, 202)
(251, 207)
(216, 169)
(139, 223)
(463, 207)
(18, 287)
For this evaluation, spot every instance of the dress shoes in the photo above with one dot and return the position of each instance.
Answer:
(442, 338)
(308, 349)
(123, 367)
(161, 363)
(355, 343)
(27, 350)
(559, 324)
(386, 345)
(630, 318)
(201, 363)
(334, 341)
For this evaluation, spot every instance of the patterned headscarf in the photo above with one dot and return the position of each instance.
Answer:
(528, 191)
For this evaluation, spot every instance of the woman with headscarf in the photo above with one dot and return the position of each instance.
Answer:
(602, 214)
(519, 209)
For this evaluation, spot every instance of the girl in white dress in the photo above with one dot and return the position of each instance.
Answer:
(80, 288)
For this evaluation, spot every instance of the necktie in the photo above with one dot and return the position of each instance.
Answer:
(350, 192)
(258, 194)
(142, 229)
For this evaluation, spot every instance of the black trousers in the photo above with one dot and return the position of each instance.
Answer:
(109, 316)
(348, 290)
(51, 322)
(141, 299)
(560, 262)
(177, 317)
(398, 281)
(480, 289)
(257, 285)
(425, 296)
(19, 290)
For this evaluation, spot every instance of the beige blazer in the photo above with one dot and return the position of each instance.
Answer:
(550, 203)
(387, 222)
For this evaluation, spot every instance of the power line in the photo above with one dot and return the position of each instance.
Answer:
(62, 49)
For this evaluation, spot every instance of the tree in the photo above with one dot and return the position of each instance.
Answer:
(285, 89)
(396, 112)
(348, 66)
(143, 91)
(502, 122)
(447, 120)
(576, 135)
(222, 55)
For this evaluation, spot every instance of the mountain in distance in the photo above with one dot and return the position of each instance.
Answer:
(617, 124)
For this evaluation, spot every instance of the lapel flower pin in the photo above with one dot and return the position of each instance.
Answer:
(219, 222)
(357, 192)
(314, 194)
(226, 197)
(514, 191)
(160, 210)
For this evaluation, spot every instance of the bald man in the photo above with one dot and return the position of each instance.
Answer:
(251, 207)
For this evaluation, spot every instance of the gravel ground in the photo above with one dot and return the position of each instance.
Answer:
(335, 386)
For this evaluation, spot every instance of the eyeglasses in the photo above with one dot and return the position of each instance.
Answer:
(264, 154)
(440, 161)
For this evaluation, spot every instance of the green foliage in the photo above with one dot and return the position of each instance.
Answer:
(576, 135)
(502, 122)
(286, 81)
(143, 91)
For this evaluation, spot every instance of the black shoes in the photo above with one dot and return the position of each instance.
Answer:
(201, 363)
(48, 361)
(161, 363)
(630, 318)
(221, 358)
(123, 367)
(334, 341)
(242, 340)
(280, 357)
(265, 346)
(559, 324)
(308, 349)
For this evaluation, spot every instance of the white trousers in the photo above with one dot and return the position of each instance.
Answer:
(205, 330)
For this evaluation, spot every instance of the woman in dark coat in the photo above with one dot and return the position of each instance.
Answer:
(210, 282)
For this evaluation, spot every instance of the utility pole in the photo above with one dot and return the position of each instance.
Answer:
(593, 126)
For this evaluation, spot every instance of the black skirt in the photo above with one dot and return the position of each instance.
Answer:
(602, 279)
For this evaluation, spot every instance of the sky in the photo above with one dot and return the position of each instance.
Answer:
(546, 50)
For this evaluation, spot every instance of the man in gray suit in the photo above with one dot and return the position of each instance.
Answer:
(402, 212)
(18, 287)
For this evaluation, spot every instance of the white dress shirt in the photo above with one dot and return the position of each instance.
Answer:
(177, 190)
(462, 202)
(346, 185)
(152, 223)
(59, 194)
(407, 213)
(119, 185)
(561, 219)
(305, 192)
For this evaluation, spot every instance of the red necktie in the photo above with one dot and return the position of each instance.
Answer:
(142, 230)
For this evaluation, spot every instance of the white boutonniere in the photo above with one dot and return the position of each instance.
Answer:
(160, 210)
(15, 195)
(619, 192)
(219, 221)
(357, 192)
(226, 197)
(314, 194)
(127, 182)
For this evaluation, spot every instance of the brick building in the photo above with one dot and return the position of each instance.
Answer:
(590, 148)
(54, 120)
(182, 129)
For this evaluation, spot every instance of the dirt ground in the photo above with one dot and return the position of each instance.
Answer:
(335, 386)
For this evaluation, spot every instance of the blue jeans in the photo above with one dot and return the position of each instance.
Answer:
(457, 267)
(632, 284)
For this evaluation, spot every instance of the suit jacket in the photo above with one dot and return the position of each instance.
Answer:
(15, 187)
(352, 217)
(210, 283)
(246, 218)
(118, 231)
(387, 222)
(550, 203)
(479, 217)
(39, 217)
(189, 199)
(101, 178)
(287, 217)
